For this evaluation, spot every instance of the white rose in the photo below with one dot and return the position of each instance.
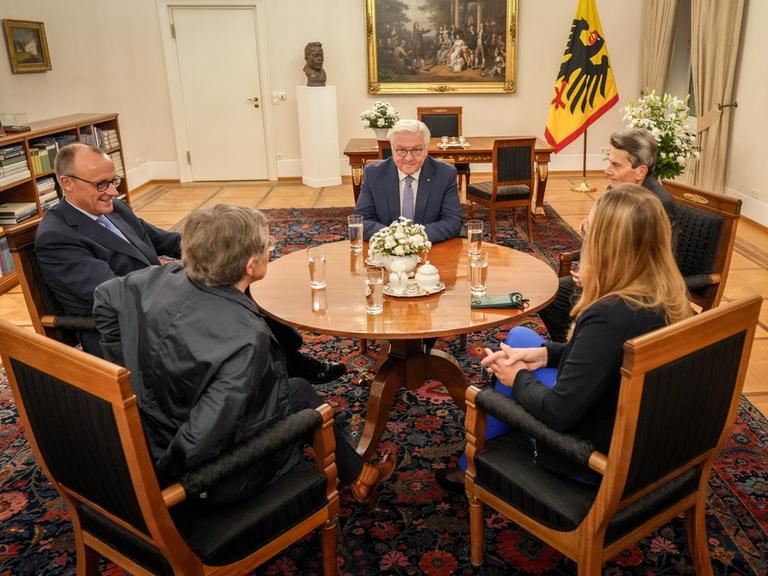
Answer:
(399, 251)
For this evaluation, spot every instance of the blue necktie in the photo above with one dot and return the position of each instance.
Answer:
(408, 208)
(107, 223)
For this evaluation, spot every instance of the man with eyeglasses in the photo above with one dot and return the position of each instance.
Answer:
(410, 184)
(89, 238)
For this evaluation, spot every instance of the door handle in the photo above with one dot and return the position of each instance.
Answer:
(255, 101)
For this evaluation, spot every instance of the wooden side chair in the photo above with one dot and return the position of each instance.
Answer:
(706, 232)
(513, 181)
(680, 388)
(445, 121)
(44, 311)
(82, 420)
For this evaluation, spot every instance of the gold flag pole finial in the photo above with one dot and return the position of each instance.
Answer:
(584, 187)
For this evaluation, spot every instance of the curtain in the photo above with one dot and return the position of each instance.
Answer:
(715, 33)
(659, 18)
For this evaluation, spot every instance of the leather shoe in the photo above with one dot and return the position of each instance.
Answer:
(365, 488)
(316, 371)
(447, 484)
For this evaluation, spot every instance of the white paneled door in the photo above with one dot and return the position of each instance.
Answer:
(218, 65)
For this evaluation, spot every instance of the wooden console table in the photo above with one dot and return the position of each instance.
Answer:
(362, 150)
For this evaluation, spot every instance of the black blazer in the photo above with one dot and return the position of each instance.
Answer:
(76, 254)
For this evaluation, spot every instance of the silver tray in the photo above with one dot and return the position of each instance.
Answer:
(439, 287)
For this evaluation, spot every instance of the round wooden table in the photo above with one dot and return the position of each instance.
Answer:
(339, 309)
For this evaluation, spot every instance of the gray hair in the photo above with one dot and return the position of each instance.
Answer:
(67, 156)
(640, 146)
(402, 126)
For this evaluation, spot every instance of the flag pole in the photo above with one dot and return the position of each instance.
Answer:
(584, 186)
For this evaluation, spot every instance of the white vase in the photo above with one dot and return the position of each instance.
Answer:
(405, 264)
(381, 133)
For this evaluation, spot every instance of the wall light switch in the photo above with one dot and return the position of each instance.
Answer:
(281, 95)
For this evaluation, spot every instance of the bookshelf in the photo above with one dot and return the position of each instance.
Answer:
(26, 168)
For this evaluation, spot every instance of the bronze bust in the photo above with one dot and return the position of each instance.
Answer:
(313, 54)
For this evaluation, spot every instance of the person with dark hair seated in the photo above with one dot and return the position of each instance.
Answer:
(207, 369)
(631, 160)
(631, 285)
(90, 237)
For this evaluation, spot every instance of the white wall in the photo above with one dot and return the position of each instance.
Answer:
(107, 57)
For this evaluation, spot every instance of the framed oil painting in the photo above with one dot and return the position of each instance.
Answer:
(424, 46)
(27, 46)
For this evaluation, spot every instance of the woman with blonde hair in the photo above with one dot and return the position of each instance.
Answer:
(631, 285)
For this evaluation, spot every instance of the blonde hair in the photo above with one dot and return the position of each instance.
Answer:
(628, 253)
(216, 243)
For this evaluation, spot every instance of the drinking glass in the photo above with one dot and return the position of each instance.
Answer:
(316, 259)
(478, 273)
(319, 301)
(374, 289)
(355, 224)
(475, 235)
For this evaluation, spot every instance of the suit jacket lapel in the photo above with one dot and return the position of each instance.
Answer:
(393, 192)
(425, 188)
(133, 238)
(92, 229)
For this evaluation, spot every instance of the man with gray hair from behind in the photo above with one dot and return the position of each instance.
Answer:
(410, 184)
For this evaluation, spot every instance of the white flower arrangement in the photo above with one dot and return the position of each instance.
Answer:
(666, 119)
(382, 115)
(401, 238)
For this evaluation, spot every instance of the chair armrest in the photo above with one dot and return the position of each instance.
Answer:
(699, 281)
(297, 426)
(566, 260)
(79, 323)
(510, 411)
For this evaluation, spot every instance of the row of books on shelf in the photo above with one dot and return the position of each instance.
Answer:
(13, 164)
(14, 212)
(6, 261)
(106, 139)
(118, 161)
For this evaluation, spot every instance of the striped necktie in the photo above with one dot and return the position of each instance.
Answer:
(408, 208)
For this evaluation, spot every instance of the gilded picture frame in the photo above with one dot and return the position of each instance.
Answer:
(27, 46)
(441, 46)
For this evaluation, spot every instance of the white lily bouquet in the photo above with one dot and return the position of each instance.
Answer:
(666, 119)
(382, 115)
(401, 238)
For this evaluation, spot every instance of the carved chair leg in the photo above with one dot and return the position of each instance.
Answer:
(476, 535)
(530, 226)
(87, 561)
(695, 525)
(463, 341)
(330, 538)
(492, 217)
(363, 345)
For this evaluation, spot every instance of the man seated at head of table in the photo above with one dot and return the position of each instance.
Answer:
(206, 367)
(91, 237)
(410, 184)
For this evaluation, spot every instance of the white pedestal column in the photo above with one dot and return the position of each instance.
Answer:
(319, 136)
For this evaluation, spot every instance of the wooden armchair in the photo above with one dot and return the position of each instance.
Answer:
(679, 392)
(706, 232)
(83, 422)
(44, 310)
(513, 181)
(445, 121)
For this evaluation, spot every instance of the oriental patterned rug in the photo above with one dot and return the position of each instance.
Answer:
(419, 528)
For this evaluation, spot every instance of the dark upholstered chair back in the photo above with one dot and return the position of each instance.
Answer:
(441, 120)
(513, 164)
(680, 388)
(385, 149)
(705, 234)
(44, 310)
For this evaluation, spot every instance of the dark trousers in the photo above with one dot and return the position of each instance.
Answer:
(557, 314)
(348, 461)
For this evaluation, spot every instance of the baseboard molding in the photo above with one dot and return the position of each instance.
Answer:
(149, 171)
(752, 208)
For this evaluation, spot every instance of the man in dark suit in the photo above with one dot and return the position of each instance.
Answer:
(631, 161)
(410, 184)
(90, 237)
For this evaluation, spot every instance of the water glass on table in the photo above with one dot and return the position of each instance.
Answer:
(316, 260)
(478, 273)
(374, 289)
(475, 235)
(355, 224)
